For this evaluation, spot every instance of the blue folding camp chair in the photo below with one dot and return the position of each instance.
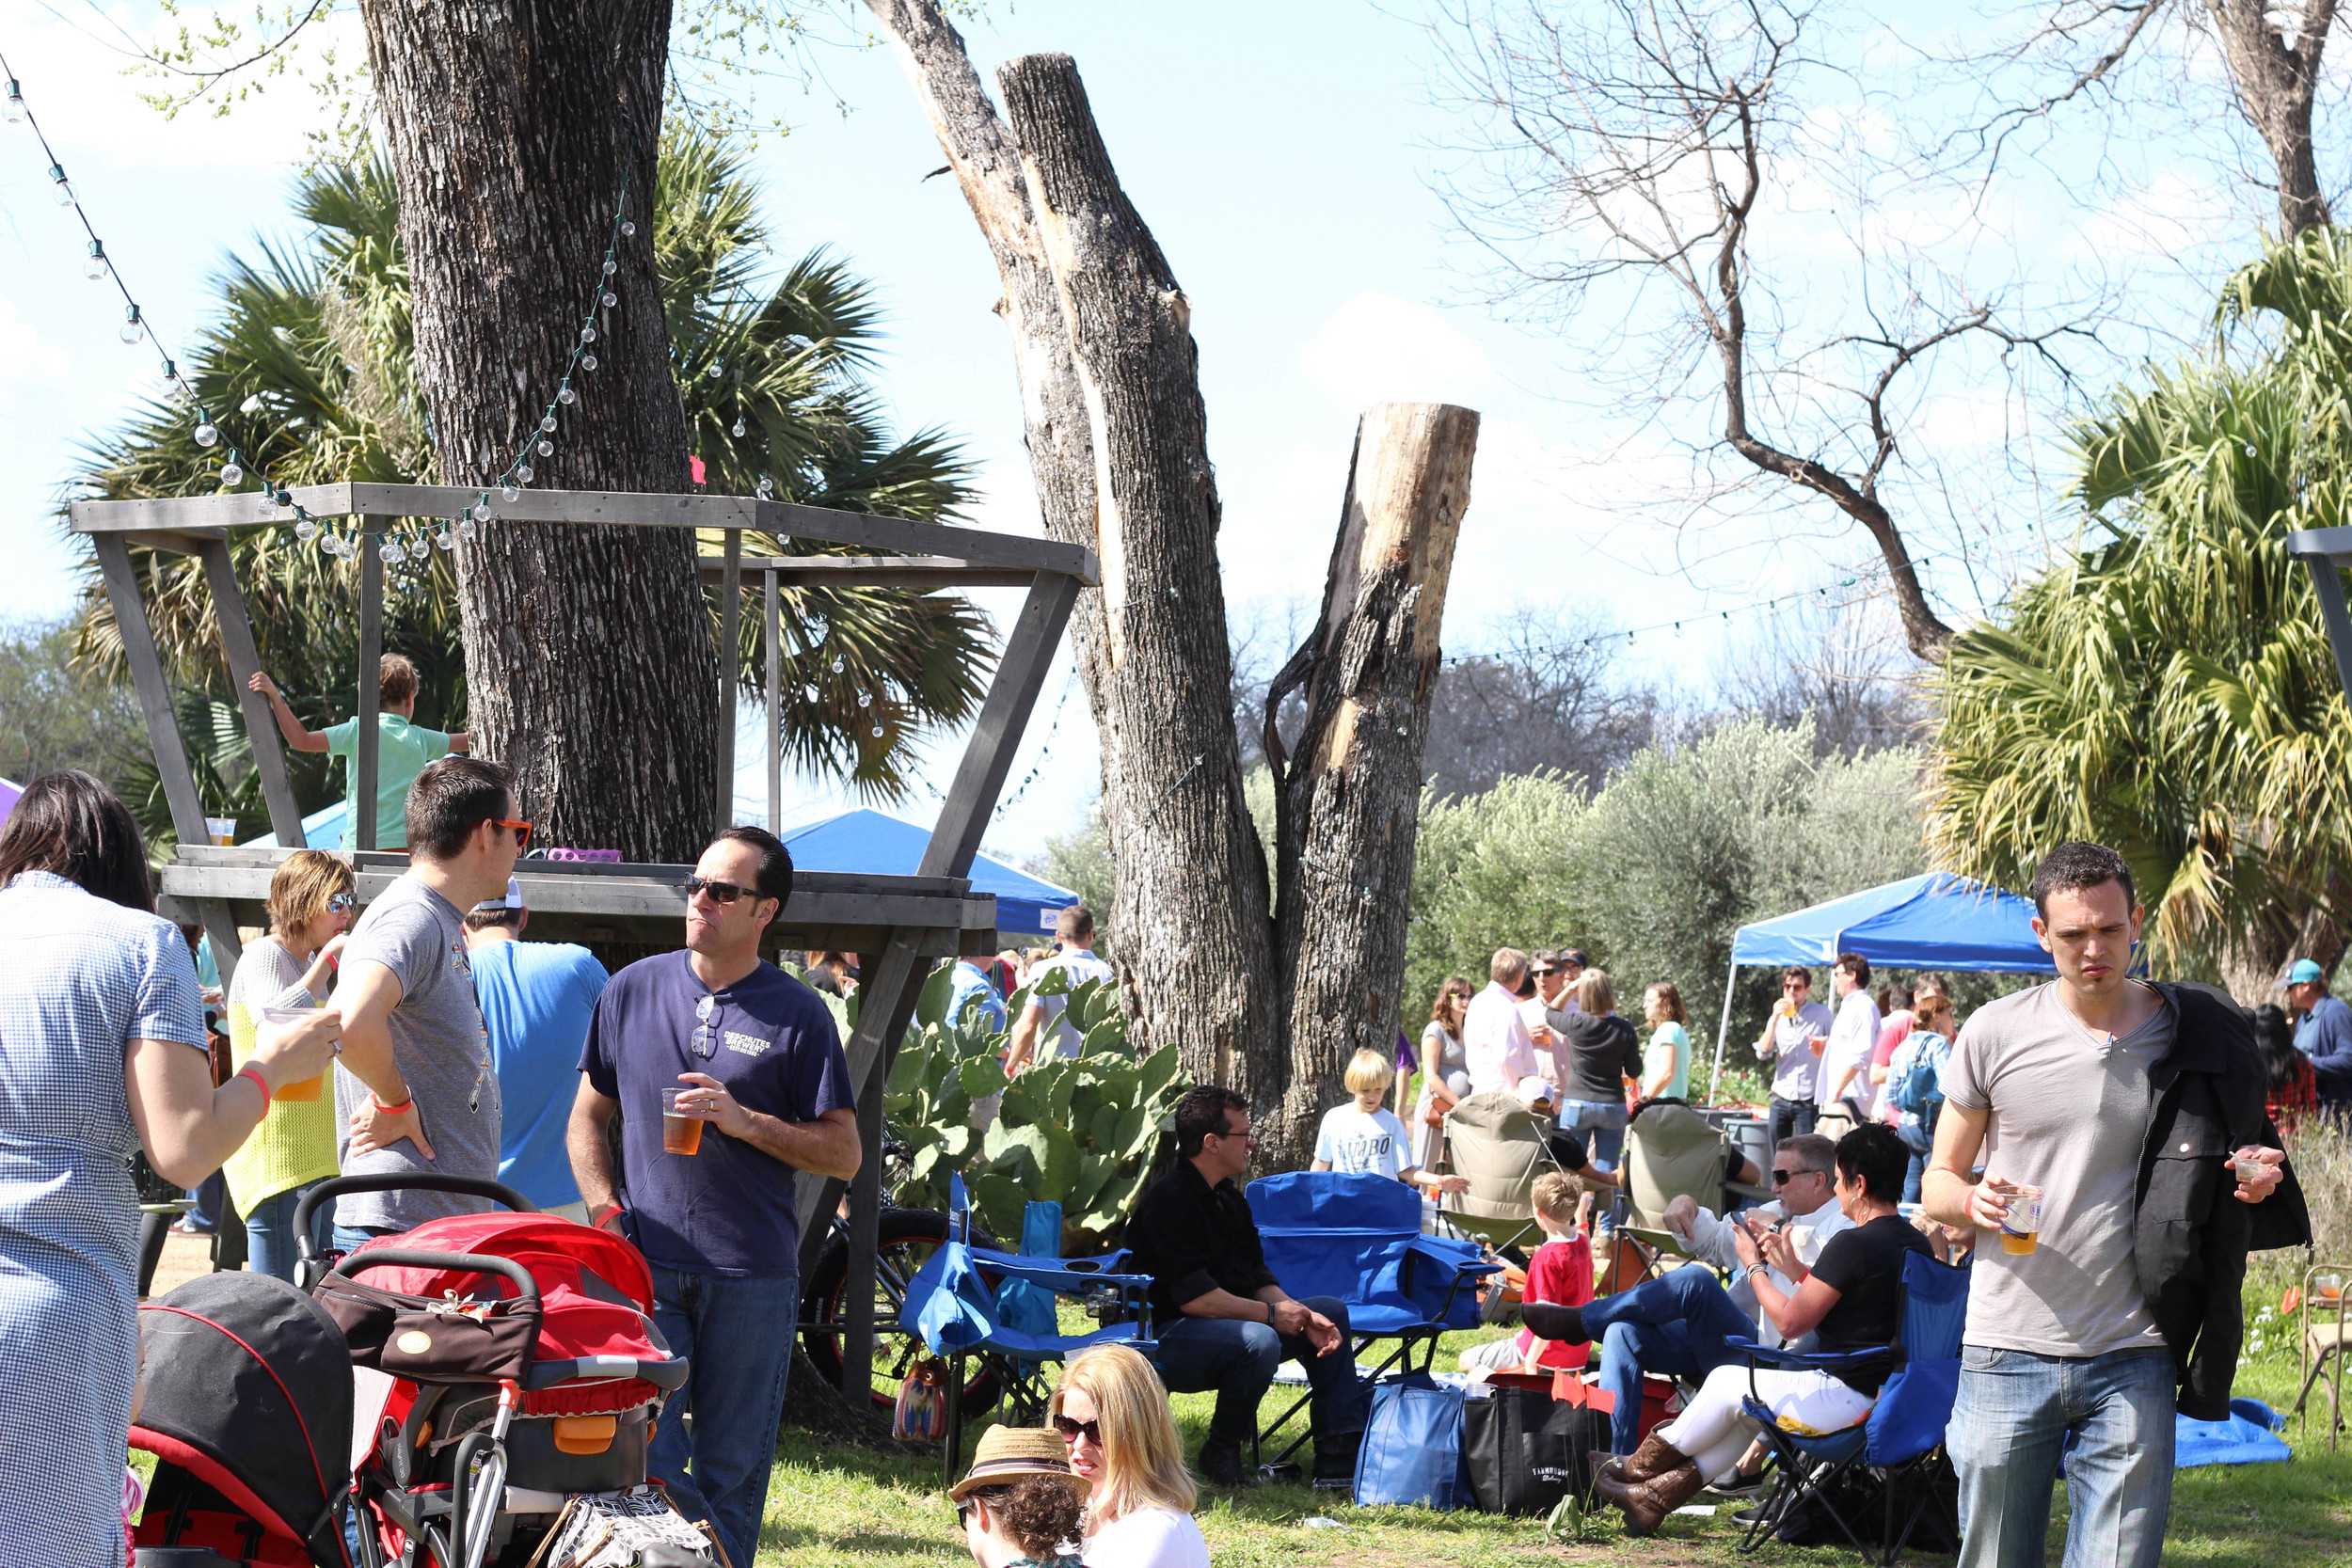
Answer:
(954, 1302)
(1359, 1238)
(1900, 1445)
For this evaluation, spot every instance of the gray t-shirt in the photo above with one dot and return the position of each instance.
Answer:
(2070, 1111)
(442, 1050)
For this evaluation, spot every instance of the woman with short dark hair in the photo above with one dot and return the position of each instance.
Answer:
(1852, 1300)
(101, 1052)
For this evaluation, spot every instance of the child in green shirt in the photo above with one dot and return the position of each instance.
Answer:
(401, 747)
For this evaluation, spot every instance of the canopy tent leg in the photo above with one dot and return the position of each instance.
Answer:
(1723, 1030)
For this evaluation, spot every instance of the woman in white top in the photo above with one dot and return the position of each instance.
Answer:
(1365, 1138)
(1444, 1070)
(1112, 1411)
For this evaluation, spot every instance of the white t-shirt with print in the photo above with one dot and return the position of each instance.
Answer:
(1363, 1143)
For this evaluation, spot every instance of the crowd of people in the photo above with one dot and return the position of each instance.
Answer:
(458, 1046)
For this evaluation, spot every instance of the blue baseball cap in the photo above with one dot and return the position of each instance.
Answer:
(2306, 973)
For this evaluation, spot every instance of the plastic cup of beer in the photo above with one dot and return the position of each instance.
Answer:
(2327, 1285)
(681, 1131)
(222, 830)
(2020, 1232)
(308, 1088)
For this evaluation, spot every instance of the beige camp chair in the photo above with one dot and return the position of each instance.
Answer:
(1499, 1144)
(2324, 1298)
(1672, 1151)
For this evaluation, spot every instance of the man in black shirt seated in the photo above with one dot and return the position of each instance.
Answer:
(1222, 1321)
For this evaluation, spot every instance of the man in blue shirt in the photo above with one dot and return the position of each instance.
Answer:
(969, 985)
(536, 998)
(2323, 1032)
(760, 1062)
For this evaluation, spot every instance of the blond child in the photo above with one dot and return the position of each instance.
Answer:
(1365, 1137)
(1561, 1272)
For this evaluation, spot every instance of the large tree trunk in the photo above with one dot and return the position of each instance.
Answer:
(1348, 789)
(1118, 442)
(2276, 84)
(510, 126)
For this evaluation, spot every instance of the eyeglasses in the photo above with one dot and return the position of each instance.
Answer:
(341, 903)
(1245, 1135)
(706, 1042)
(1782, 1178)
(721, 893)
(1071, 1431)
(515, 825)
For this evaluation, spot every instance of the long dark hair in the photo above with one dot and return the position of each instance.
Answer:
(70, 824)
(2274, 1044)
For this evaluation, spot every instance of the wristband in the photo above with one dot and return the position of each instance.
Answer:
(394, 1110)
(609, 1211)
(1269, 1314)
(258, 1082)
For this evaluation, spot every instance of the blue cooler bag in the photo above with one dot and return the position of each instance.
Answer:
(1412, 1450)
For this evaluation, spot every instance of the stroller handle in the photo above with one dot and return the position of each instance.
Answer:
(526, 1288)
(416, 1181)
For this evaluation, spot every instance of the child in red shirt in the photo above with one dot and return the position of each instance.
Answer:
(1561, 1271)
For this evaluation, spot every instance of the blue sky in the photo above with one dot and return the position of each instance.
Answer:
(1284, 157)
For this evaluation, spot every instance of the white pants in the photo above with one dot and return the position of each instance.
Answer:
(1714, 1432)
(1495, 1355)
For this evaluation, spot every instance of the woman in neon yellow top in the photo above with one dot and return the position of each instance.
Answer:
(312, 902)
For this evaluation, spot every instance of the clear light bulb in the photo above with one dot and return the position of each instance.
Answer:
(393, 555)
(306, 531)
(207, 433)
(713, 373)
(480, 512)
(467, 530)
(2249, 449)
(839, 664)
(233, 472)
(508, 493)
(548, 424)
(736, 429)
(878, 729)
(767, 490)
(546, 448)
(608, 299)
(95, 268)
(446, 539)
(565, 396)
(64, 186)
(587, 361)
(133, 330)
(865, 699)
(14, 114)
(524, 474)
(610, 267)
(629, 228)
(587, 334)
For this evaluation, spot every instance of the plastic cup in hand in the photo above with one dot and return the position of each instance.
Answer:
(681, 1131)
(1819, 1043)
(2020, 1232)
(2246, 1167)
(308, 1088)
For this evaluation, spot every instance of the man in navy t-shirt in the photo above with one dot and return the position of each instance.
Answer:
(760, 1062)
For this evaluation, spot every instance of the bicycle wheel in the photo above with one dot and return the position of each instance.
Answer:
(905, 1241)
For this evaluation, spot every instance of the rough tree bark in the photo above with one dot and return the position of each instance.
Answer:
(1117, 437)
(511, 125)
(2275, 83)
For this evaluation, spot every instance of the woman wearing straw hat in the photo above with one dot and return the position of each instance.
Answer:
(1021, 1501)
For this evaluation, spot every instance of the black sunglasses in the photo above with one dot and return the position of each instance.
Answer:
(1782, 1178)
(721, 893)
(1071, 1431)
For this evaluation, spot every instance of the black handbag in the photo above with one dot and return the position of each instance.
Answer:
(1526, 1450)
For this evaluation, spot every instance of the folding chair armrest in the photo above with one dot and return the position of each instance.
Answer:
(1761, 1357)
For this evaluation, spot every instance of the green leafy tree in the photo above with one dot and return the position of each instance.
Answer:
(2170, 691)
(313, 349)
(58, 714)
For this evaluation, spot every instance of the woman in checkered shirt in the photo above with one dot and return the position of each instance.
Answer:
(102, 1051)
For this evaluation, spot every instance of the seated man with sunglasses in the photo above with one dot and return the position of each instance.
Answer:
(753, 1055)
(416, 1092)
(1679, 1323)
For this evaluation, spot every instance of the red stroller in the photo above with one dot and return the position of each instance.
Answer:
(507, 1369)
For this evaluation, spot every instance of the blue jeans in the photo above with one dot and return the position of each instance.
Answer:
(1238, 1358)
(737, 1333)
(1676, 1325)
(270, 1236)
(1791, 1117)
(2013, 1418)
(1602, 1122)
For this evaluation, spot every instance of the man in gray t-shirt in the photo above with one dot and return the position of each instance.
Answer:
(414, 1091)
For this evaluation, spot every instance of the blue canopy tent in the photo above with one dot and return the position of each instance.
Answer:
(863, 840)
(1939, 920)
(322, 830)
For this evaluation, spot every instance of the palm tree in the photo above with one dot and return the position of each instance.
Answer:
(308, 370)
(2169, 691)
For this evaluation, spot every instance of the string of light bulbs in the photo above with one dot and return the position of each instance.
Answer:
(397, 552)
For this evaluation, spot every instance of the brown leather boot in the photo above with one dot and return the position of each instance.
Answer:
(1646, 1503)
(1653, 1457)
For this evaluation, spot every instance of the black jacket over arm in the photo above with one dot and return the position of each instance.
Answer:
(2190, 1234)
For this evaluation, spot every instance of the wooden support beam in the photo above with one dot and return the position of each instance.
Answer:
(912, 572)
(155, 690)
(730, 667)
(988, 756)
(237, 646)
(366, 746)
(774, 642)
(178, 513)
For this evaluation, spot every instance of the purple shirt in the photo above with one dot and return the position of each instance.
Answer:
(729, 1209)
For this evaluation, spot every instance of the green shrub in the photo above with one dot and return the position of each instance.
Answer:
(1079, 1130)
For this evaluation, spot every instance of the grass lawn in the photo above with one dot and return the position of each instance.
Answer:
(850, 1505)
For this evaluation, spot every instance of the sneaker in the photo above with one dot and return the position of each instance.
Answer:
(1743, 1485)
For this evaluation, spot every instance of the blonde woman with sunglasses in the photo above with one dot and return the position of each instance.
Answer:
(312, 903)
(1112, 1411)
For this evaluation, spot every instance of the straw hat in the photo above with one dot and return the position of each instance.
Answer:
(1008, 1454)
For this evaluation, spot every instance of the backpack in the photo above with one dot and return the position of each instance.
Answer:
(1919, 1089)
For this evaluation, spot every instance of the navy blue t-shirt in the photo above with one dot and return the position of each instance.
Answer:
(730, 1207)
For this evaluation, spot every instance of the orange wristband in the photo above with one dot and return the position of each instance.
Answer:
(394, 1110)
(258, 1082)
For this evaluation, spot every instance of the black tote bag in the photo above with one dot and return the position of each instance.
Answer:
(1526, 1450)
